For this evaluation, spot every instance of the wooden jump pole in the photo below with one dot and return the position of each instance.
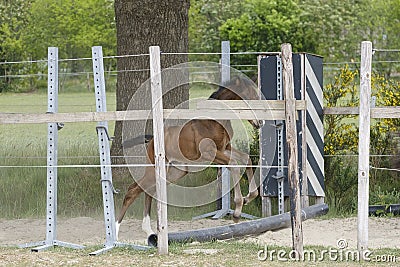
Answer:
(245, 228)
(363, 146)
(291, 136)
(159, 149)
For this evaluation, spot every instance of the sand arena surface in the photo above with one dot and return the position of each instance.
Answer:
(383, 232)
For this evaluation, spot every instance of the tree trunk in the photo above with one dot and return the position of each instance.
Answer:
(141, 24)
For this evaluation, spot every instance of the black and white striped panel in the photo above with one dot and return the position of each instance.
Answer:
(314, 124)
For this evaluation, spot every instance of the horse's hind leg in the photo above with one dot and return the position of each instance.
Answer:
(173, 174)
(134, 191)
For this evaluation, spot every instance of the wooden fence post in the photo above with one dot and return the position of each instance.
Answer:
(159, 150)
(363, 146)
(291, 136)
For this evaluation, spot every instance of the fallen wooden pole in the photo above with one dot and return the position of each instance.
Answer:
(246, 228)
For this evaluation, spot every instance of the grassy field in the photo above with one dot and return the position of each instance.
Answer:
(22, 191)
(230, 253)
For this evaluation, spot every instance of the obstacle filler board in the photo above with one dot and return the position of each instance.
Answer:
(308, 83)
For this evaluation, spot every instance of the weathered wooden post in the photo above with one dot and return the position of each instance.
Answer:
(291, 136)
(363, 146)
(159, 150)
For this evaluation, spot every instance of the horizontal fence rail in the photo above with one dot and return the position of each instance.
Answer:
(376, 112)
(216, 109)
(212, 109)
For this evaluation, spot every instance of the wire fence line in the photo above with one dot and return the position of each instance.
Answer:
(133, 156)
(66, 157)
(23, 62)
(115, 72)
(358, 62)
(182, 165)
(139, 55)
(79, 73)
(386, 50)
(138, 165)
(44, 105)
(384, 169)
(68, 59)
(237, 65)
(186, 53)
(110, 73)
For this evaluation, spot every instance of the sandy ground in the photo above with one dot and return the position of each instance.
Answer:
(383, 232)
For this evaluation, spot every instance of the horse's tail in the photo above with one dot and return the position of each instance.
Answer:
(138, 140)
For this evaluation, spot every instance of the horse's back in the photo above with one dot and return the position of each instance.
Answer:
(186, 142)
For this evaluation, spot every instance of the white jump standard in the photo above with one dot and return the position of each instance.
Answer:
(52, 142)
(105, 158)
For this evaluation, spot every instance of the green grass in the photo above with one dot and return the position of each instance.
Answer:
(225, 253)
(22, 191)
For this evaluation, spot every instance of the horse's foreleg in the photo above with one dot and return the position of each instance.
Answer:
(253, 190)
(225, 158)
(238, 197)
(146, 224)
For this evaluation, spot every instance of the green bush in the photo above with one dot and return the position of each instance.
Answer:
(384, 197)
(341, 142)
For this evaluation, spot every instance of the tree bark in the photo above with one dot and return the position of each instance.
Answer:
(141, 24)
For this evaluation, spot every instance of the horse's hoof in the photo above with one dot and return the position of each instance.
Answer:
(152, 240)
(250, 197)
(235, 219)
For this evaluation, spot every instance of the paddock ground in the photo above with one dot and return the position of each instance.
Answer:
(318, 234)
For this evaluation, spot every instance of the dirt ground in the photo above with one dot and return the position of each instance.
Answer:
(383, 232)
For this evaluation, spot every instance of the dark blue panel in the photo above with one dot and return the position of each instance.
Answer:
(268, 77)
(268, 72)
(297, 73)
(268, 84)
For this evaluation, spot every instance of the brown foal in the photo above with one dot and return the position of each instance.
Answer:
(198, 140)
